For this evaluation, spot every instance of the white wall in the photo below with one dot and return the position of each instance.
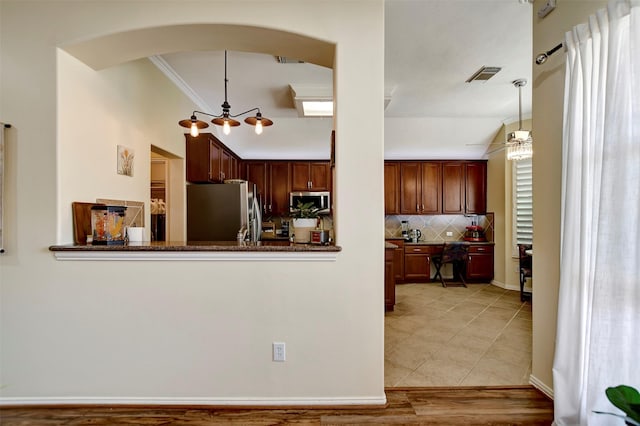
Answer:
(193, 332)
(132, 105)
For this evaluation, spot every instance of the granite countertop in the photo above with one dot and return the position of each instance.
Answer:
(437, 243)
(388, 245)
(200, 246)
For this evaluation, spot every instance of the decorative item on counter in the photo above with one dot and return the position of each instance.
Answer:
(305, 220)
(135, 234)
(107, 225)
(414, 235)
(474, 233)
(405, 230)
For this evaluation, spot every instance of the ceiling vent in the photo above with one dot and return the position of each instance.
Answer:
(484, 74)
(285, 60)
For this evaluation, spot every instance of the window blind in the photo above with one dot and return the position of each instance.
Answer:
(523, 201)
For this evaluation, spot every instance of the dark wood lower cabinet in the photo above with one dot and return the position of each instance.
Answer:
(417, 261)
(480, 262)
(389, 280)
(412, 263)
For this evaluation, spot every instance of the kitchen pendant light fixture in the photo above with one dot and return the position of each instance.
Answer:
(226, 119)
(519, 143)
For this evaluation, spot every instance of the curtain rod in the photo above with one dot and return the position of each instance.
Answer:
(542, 58)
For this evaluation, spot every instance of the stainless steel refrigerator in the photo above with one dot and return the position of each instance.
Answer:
(223, 212)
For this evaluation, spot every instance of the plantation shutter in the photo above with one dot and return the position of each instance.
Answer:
(523, 187)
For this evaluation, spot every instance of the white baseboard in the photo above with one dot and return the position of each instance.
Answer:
(506, 286)
(248, 402)
(538, 384)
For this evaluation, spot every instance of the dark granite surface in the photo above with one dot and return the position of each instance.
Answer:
(438, 243)
(177, 246)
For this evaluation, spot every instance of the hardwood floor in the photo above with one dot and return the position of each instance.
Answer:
(507, 405)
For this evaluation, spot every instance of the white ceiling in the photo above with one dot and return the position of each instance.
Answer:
(431, 48)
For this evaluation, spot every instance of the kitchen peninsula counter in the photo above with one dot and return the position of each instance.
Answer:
(198, 250)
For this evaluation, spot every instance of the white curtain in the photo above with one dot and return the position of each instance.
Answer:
(598, 335)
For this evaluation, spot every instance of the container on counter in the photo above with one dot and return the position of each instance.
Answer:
(107, 225)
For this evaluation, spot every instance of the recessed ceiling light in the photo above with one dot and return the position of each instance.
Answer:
(484, 74)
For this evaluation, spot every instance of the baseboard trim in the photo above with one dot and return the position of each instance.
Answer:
(505, 286)
(538, 384)
(369, 402)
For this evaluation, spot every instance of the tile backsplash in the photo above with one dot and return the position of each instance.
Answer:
(435, 228)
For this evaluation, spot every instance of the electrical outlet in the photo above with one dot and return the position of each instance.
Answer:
(279, 353)
(449, 234)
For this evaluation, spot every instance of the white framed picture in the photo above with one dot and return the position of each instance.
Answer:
(125, 160)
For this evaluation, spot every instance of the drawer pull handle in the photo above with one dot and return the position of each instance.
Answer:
(481, 249)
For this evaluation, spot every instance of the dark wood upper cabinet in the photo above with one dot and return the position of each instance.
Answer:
(279, 188)
(310, 176)
(391, 188)
(209, 160)
(431, 187)
(453, 188)
(464, 189)
(476, 187)
(436, 187)
(420, 187)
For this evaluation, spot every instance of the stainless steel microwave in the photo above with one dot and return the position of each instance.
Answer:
(321, 200)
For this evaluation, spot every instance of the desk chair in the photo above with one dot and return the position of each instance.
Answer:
(454, 253)
(526, 269)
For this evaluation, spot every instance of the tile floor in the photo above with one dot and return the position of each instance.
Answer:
(457, 336)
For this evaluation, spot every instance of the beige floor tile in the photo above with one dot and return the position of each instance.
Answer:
(469, 307)
(510, 373)
(480, 335)
(446, 372)
(506, 354)
(394, 373)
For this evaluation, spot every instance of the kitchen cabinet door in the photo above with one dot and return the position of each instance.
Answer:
(391, 188)
(398, 259)
(300, 176)
(431, 187)
(279, 188)
(453, 187)
(256, 172)
(225, 165)
(476, 187)
(320, 176)
(417, 262)
(480, 263)
(389, 281)
(310, 176)
(410, 188)
(202, 159)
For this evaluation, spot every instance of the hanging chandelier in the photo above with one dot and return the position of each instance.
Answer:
(519, 143)
(226, 119)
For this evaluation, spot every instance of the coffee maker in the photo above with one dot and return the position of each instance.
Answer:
(405, 230)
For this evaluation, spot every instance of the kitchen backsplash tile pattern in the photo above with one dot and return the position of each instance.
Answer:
(435, 228)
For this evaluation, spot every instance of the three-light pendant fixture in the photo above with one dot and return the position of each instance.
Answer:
(226, 119)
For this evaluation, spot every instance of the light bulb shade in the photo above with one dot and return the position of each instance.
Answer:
(254, 120)
(194, 130)
(189, 123)
(519, 145)
(259, 127)
(220, 122)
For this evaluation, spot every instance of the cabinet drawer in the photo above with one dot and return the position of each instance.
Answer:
(410, 249)
(480, 249)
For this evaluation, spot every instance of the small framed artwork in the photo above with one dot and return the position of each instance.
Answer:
(125, 160)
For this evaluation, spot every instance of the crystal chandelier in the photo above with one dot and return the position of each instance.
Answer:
(519, 143)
